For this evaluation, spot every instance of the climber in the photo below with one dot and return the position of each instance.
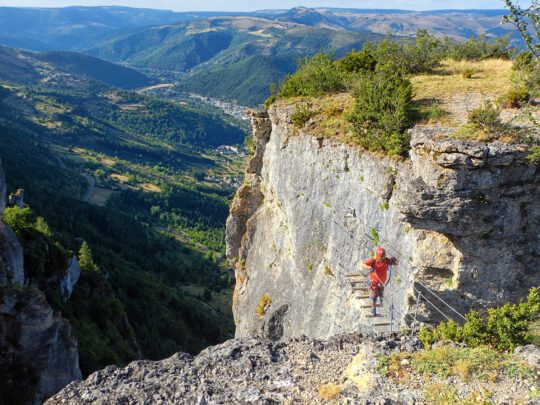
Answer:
(379, 275)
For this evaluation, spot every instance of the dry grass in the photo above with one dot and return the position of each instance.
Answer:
(492, 78)
(328, 115)
(120, 178)
(131, 107)
(329, 391)
(155, 87)
(151, 188)
(50, 108)
(108, 162)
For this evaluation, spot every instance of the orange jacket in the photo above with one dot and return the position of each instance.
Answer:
(379, 268)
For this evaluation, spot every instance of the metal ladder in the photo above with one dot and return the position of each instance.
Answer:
(358, 283)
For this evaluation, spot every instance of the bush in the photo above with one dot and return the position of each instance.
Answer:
(20, 219)
(382, 111)
(355, 61)
(301, 115)
(485, 118)
(468, 73)
(503, 328)
(534, 155)
(527, 72)
(419, 56)
(515, 98)
(435, 112)
(524, 61)
(479, 48)
(315, 77)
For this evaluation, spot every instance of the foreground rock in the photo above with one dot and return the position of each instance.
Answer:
(250, 371)
(461, 216)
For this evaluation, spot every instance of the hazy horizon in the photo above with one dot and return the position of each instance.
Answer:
(254, 5)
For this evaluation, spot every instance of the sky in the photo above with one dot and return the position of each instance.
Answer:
(252, 5)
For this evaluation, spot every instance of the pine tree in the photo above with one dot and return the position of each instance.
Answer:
(86, 261)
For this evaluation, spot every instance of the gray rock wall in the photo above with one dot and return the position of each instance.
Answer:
(67, 285)
(40, 337)
(461, 217)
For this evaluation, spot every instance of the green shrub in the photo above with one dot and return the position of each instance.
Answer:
(315, 77)
(479, 48)
(534, 332)
(527, 72)
(420, 55)
(503, 328)
(523, 62)
(515, 98)
(435, 112)
(382, 111)
(357, 61)
(534, 155)
(301, 115)
(20, 219)
(485, 118)
(270, 100)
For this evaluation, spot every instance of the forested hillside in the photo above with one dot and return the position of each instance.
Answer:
(149, 234)
(26, 67)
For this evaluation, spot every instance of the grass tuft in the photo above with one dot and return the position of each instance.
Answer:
(329, 391)
(263, 305)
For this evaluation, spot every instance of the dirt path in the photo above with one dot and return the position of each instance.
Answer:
(91, 184)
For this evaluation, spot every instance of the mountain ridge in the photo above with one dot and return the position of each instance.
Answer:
(30, 67)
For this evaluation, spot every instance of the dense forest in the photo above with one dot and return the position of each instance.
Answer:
(143, 290)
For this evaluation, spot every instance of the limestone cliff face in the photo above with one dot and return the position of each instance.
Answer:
(461, 217)
(34, 340)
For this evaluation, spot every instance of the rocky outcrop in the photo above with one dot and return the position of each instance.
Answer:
(39, 356)
(342, 370)
(462, 218)
(73, 273)
(40, 338)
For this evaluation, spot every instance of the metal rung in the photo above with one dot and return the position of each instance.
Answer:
(362, 297)
(360, 289)
(370, 306)
(356, 275)
(357, 281)
(382, 324)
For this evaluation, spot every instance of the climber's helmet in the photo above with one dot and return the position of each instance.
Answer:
(380, 253)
